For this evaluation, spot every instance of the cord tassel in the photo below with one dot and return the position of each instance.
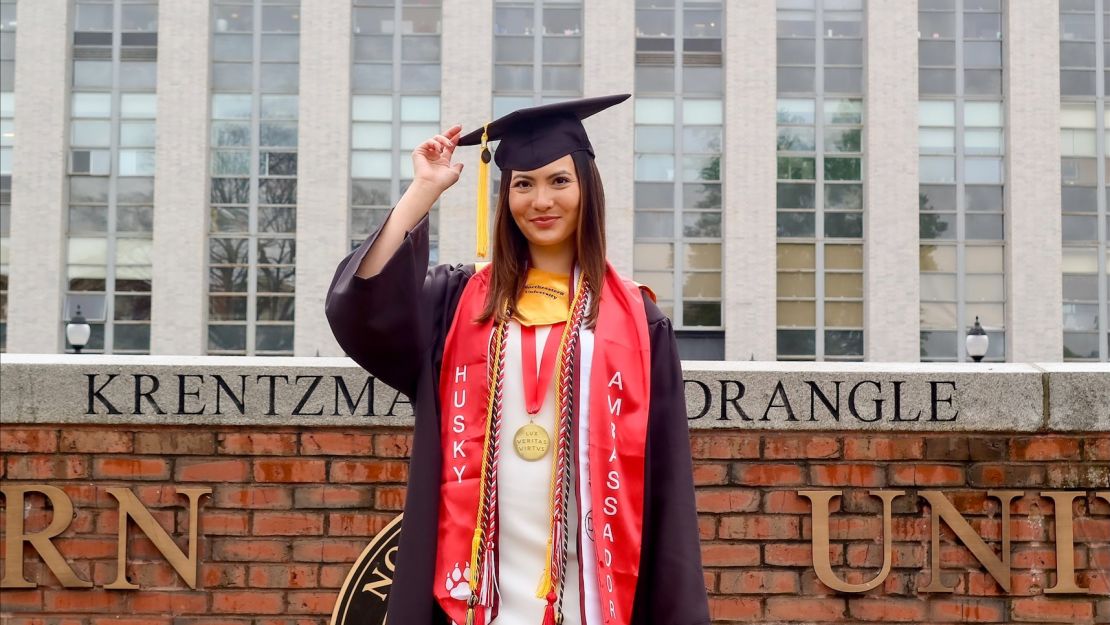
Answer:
(545, 581)
(549, 611)
(470, 610)
(483, 197)
(488, 580)
(475, 549)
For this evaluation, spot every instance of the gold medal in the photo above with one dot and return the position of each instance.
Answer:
(531, 442)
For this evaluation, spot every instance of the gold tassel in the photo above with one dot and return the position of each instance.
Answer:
(470, 604)
(545, 582)
(483, 197)
(475, 547)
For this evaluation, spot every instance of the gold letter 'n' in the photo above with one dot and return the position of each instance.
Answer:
(130, 507)
(943, 509)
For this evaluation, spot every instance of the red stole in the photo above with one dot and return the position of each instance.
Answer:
(620, 387)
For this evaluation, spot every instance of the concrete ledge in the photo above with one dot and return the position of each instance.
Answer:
(1078, 396)
(182, 390)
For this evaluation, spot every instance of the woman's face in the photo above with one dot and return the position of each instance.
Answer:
(544, 203)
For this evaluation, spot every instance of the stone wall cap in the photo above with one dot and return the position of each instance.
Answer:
(1074, 367)
(729, 395)
(763, 366)
(927, 368)
(177, 361)
(1078, 396)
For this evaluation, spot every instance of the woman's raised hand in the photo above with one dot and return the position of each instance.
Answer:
(431, 160)
(433, 172)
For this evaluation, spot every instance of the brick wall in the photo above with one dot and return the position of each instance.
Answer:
(292, 509)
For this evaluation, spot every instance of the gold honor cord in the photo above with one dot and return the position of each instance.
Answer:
(482, 237)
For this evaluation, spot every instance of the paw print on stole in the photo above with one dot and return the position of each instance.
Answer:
(458, 583)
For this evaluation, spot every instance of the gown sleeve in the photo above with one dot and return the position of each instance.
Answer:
(675, 594)
(392, 322)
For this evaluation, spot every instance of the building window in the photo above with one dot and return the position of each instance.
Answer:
(961, 129)
(7, 143)
(537, 56)
(537, 53)
(679, 134)
(253, 196)
(1085, 226)
(819, 180)
(395, 82)
(111, 172)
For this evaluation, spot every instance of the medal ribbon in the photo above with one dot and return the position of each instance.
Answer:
(537, 383)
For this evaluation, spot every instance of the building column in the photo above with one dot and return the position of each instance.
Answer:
(892, 289)
(179, 296)
(1034, 310)
(38, 222)
(466, 98)
(323, 174)
(749, 174)
(609, 67)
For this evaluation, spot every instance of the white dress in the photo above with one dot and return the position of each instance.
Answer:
(523, 493)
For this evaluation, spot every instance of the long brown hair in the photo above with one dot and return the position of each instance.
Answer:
(510, 247)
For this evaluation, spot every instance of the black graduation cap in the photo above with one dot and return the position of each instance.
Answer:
(531, 138)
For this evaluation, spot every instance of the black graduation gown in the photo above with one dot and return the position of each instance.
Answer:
(394, 325)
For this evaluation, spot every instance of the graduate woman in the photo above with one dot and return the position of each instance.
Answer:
(551, 478)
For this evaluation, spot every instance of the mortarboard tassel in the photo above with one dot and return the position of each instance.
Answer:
(483, 197)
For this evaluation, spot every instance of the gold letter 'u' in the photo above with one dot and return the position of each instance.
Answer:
(820, 500)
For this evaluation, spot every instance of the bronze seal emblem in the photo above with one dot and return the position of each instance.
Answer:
(363, 597)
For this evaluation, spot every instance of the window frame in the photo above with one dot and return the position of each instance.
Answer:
(1101, 245)
(254, 235)
(820, 242)
(961, 243)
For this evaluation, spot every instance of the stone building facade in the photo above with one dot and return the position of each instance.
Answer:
(796, 180)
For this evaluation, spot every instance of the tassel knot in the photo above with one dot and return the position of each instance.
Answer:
(549, 612)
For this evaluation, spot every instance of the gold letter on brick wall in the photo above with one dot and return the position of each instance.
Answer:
(1065, 543)
(13, 527)
(820, 500)
(129, 506)
(382, 581)
(943, 509)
